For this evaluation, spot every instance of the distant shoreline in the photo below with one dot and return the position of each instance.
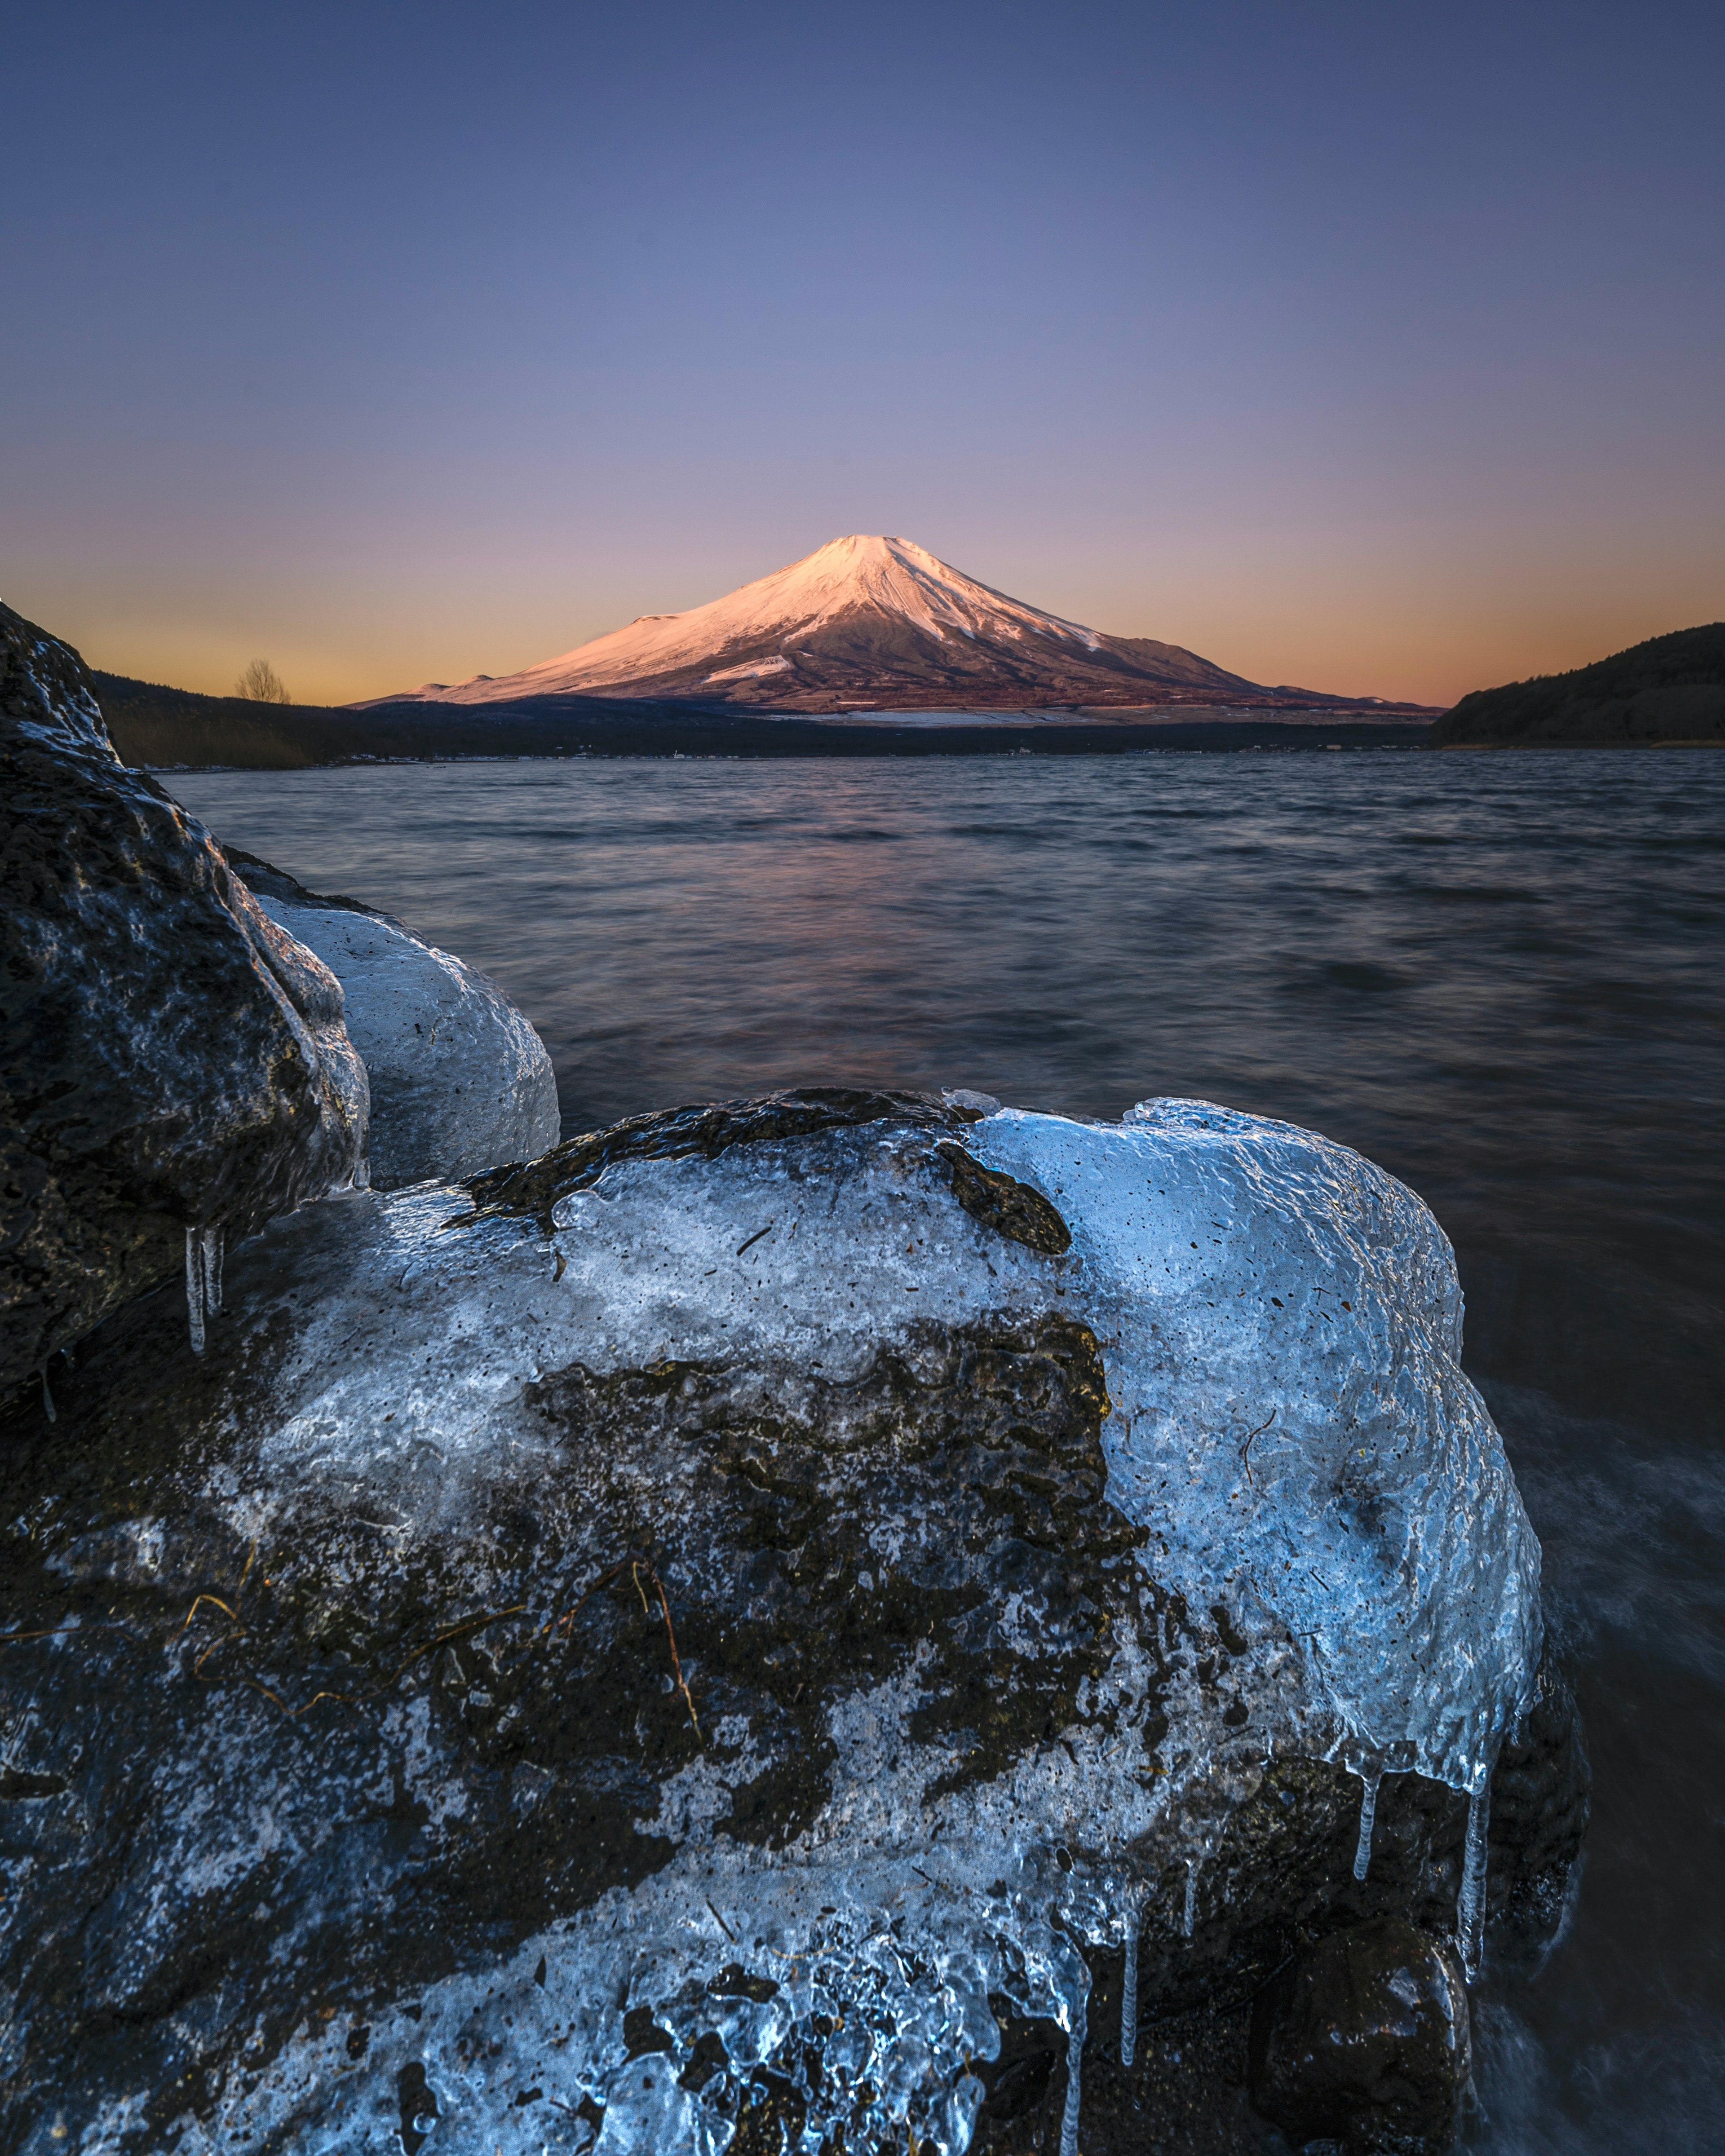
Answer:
(616, 753)
(169, 729)
(175, 729)
(934, 748)
(1578, 741)
(779, 741)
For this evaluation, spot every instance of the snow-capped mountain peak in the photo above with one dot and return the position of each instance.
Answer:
(863, 619)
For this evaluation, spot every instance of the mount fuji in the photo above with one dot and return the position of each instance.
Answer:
(873, 622)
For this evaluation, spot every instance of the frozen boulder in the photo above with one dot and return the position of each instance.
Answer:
(174, 1067)
(459, 1081)
(682, 1642)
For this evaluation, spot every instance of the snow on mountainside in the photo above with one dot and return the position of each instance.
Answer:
(861, 621)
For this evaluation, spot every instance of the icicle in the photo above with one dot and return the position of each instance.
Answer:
(194, 1288)
(48, 1408)
(1129, 1988)
(1191, 1915)
(1368, 1813)
(1471, 1902)
(1075, 2061)
(203, 1280)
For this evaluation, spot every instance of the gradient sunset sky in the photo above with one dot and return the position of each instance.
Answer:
(1376, 348)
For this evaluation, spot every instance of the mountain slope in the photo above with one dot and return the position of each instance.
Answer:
(869, 620)
(1670, 688)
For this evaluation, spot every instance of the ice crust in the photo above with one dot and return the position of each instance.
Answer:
(1253, 1277)
(1280, 1327)
(460, 1079)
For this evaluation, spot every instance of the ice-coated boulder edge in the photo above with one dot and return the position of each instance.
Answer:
(1282, 1324)
(1002, 1493)
(46, 697)
(460, 1081)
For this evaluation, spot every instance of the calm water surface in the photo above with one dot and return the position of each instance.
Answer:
(1502, 976)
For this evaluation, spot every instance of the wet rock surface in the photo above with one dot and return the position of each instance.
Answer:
(718, 1638)
(1185, 2094)
(1282, 1882)
(1364, 2041)
(459, 1081)
(172, 1060)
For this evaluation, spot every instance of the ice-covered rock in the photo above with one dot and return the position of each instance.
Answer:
(460, 1079)
(174, 1067)
(707, 1627)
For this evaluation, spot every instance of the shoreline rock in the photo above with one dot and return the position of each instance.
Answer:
(175, 1068)
(716, 1624)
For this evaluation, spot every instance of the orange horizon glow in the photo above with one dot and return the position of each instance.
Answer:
(1316, 342)
(1307, 638)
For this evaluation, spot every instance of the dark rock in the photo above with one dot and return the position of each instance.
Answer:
(172, 1060)
(1364, 2040)
(459, 1081)
(1541, 1801)
(1184, 2094)
(1280, 1881)
(1003, 1204)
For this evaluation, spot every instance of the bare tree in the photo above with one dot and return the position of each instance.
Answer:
(260, 684)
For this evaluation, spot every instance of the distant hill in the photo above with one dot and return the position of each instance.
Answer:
(1670, 688)
(866, 622)
(150, 724)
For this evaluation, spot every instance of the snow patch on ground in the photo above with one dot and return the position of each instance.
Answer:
(459, 1081)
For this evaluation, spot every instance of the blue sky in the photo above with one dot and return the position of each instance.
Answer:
(1373, 348)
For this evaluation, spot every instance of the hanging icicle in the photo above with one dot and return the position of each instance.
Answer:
(194, 1289)
(1471, 1902)
(1368, 1815)
(48, 1406)
(1190, 1917)
(203, 1280)
(1075, 2062)
(1129, 1986)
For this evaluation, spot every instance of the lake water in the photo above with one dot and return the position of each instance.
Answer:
(1502, 976)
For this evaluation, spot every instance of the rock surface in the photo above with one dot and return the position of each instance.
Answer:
(459, 1081)
(172, 1060)
(679, 1645)
(1364, 2040)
